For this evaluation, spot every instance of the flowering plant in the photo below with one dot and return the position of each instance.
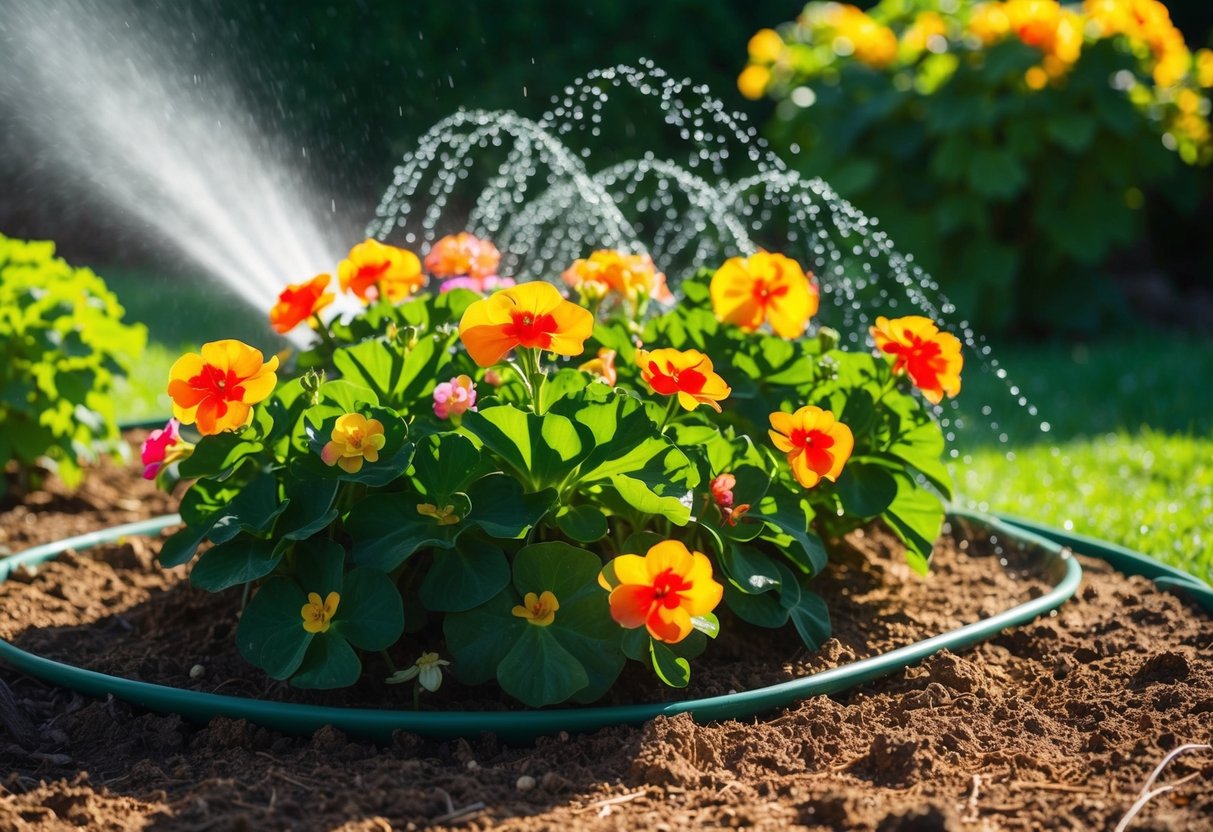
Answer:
(1008, 143)
(537, 493)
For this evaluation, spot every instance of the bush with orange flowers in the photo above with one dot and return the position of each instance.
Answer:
(541, 492)
(1009, 144)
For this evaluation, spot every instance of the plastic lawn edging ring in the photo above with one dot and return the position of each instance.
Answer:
(523, 726)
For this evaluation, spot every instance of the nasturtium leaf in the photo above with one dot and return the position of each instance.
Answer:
(237, 561)
(563, 383)
(370, 615)
(480, 638)
(919, 443)
(805, 608)
(583, 523)
(503, 510)
(218, 455)
(253, 509)
(330, 662)
(674, 670)
(348, 395)
(916, 516)
(750, 570)
(641, 496)
(865, 489)
(386, 529)
(270, 633)
(444, 464)
(464, 577)
(760, 610)
(707, 624)
(639, 543)
(180, 547)
(543, 450)
(787, 517)
(539, 671)
(319, 565)
(398, 376)
(309, 511)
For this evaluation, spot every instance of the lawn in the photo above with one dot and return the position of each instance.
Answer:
(1127, 456)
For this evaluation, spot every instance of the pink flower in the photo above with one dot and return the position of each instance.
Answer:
(163, 447)
(482, 285)
(493, 377)
(454, 398)
(722, 490)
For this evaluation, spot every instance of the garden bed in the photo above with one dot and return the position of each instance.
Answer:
(1055, 725)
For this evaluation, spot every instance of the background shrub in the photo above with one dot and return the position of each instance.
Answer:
(1009, 146)
(62, 347)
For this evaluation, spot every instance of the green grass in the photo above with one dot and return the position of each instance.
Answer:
(1127, 457)
(1128, 454)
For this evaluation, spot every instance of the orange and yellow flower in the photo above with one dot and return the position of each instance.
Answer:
(318, 614)
(375, 270)
(602, 366)
(816, 444)
(929, 357)
(300, 301)
(753, 81)
(463, 255)
(661, 591)
(354, 439)
(532, 316)
(630, 276)
(539, 610)
(764, 288)
(686, 374)
(216, 390)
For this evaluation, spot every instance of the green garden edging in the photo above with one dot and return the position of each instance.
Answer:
(522, 726)
(1167, 578)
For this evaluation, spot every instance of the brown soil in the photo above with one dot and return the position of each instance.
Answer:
(1055, 725)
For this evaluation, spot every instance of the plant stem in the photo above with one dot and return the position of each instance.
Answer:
(391, 665)
(326, 336)
(669, 413)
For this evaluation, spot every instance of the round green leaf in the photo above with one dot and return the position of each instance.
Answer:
(234, 562)
(464, 577)
(583, 523)
(538, 671)
(865, 490)
(330, 663)
(370, 613)
(270, 633)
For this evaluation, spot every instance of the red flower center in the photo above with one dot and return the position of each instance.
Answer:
(218, 385)
(815, 445)
(531, 330)
(919, 358)
(671, 380)
(765, 295)
(667, 587)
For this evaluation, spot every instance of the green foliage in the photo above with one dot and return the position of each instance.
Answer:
(1009, 184)
(498, 529)
(63, 347)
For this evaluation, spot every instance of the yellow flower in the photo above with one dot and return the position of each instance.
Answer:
(989, 23)
(817, 446)
(317, 614)
(686, 374)
(539, 610)
(764, 288)
(445, 516)
(1204, 67)
(929, 357)
(753, 81)
(531, 315)
(765, 47)
(661, 591)
(354, 438)
(427, 670)
(217, 389)
(374, 270)
(602, 366)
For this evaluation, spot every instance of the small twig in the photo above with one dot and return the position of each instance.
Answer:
(1146, 795)
(1052, 787)
(606, 803)
(971, 813)
(462, 813)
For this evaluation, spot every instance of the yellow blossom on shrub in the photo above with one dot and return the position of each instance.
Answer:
(354, 438)
(816, 444)
(374, 270)
(532, 316)
(857, 33)
(765, 47)
(215, 391)
(317, 614)
(764, 288)
(753, 81)
(661, 591)
(539, 610)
